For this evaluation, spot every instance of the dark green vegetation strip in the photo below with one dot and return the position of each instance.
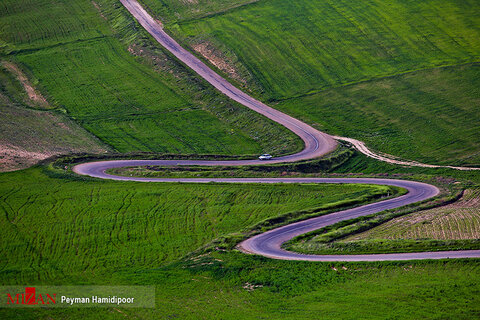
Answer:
(95, 63)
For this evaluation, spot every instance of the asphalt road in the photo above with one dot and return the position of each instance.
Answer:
(316, 144)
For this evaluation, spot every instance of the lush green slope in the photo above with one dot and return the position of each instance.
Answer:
(57, 230)
(431, 115)
(311, 49)
(82, 56)
(295, 47)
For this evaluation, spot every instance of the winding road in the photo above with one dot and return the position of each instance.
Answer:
(316, 144)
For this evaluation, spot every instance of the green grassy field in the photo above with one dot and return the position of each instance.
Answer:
(298, 47)
(120, 233)
(86, 66)
(29, 133)
(96, 226)
(430, 115)
(304, 54)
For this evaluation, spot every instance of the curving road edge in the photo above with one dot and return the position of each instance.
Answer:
(316, 144)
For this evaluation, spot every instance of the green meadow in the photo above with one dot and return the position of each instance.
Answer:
(69, 231)
(431, 116)
(297, 47)
(371, 70)
(91, 225)
(81, 55)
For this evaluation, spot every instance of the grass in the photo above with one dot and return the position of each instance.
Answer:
(178, 10)
(28, 135)
(428, 115)
(87, 66)
(135, 233)
(213, 287)
(371, 70)
(293, 48)
(76, 226)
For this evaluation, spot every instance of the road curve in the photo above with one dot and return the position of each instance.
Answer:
(316, 144)
(269, 243)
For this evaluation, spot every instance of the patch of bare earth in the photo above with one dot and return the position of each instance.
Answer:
(209, 52)
(456, 221)
(34, 96)
(14, 157)
(188, 2)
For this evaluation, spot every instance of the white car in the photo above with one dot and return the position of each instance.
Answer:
(265, 156)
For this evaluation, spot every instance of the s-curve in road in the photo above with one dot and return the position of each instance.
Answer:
(269, 243)
(316, 143)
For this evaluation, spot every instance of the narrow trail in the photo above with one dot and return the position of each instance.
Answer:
(316, 144)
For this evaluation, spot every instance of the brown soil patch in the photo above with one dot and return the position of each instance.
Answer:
(209, 52)
(33, 94)
(187, 2)
(13, 157)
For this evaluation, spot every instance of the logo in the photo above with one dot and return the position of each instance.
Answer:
(30, 297)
